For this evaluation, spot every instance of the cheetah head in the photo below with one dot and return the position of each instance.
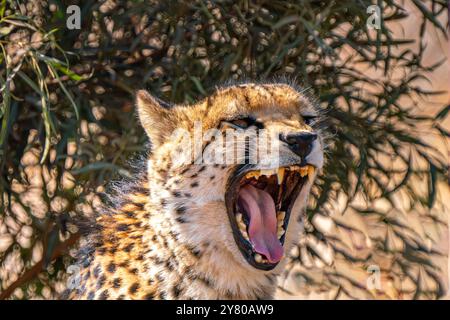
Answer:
(241, 196)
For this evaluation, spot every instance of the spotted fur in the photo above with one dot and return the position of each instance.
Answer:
(168, 236)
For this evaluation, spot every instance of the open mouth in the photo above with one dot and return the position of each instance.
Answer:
(259, 204)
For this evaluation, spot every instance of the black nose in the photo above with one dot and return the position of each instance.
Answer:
(301, 143)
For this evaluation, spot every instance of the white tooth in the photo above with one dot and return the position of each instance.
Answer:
(280, 233)
(245, 235)
(280, 175)
(281, 215)
(239, 217)
(303, 171)
(258, 258)
(280, 223)
(310, 170)
(252, 174)
(242, 226)
(268, 172)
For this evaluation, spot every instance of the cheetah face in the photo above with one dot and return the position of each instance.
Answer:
(261, 199)
(253, 206)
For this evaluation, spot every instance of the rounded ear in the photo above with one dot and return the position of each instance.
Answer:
(155, 118)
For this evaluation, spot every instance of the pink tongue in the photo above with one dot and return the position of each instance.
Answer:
(259, 206)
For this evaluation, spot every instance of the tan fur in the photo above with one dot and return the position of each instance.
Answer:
(172, 239)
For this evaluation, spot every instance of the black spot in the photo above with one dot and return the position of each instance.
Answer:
(212, 177)
(163, 202)
(149, 296)
(163, 295)
(180, 210)
(134, 288)
(128, 247)
(181, 220)
(104, 295)
(195, 175)
(101, 250)
(117, 282)
(97, 271)
(101, 282)
(121, 297)
(176, 194)
(134, 271)
(91, 295)
(129, 214)
(113, 250)
(111, 267)
(202, 169)
(187, 195)
(176, 291)
(194, 184)
(122, 227)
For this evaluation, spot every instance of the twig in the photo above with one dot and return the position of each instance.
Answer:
(32, 273)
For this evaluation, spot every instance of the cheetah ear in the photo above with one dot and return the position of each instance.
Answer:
(155, 117)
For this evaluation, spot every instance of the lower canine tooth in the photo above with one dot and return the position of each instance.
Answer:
(280, 175)
(258, 258)
(303, 171)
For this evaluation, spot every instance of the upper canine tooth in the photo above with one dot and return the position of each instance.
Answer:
(258, 258)
(280, 175)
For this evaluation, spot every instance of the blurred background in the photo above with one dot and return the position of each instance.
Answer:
(378, 219)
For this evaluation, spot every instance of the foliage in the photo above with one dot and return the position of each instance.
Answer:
(68, 124)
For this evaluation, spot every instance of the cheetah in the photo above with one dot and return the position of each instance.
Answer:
(197, 230)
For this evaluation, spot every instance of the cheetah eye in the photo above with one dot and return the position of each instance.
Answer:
(310, 119)
(243, 123)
